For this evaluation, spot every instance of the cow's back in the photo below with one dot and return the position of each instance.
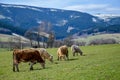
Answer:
(63, 50)
(28, 55)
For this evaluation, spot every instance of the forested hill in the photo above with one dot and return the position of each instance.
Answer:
(19, 18)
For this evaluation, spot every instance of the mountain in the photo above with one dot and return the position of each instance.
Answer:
(64, 22)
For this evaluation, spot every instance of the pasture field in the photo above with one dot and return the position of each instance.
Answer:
(100, 62)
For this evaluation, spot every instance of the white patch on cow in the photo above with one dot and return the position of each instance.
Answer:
(69, 29)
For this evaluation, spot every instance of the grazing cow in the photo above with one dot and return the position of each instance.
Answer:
(44, 54)
(76, 49)
(26, 55)
(62, 52)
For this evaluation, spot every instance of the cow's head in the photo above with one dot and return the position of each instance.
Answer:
(51, 58)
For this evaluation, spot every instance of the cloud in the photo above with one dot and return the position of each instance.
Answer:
(86, 7)
(94, 8)
(113, 9)
(39, 3)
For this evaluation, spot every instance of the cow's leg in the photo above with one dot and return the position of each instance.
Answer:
(67, 56)
(81, 53)
(64, 57)
(13, 67)
(31, 65)
(73, 53)
(15, 64)
(58, 58)
(17, 67)
(77, 53)
(43, 65)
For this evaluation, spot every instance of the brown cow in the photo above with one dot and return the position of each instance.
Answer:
(26, 55)
(76, 49)
(62, 52)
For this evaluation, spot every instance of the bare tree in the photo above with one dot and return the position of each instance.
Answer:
(68, 41)
(46, 28)
(50, 40)
(10, 42)
(41, 33)
(40, 29)
(17, 41)
(29, 35)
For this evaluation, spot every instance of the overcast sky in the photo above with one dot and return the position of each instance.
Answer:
(89, 6)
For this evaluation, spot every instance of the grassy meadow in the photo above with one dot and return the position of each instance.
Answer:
(101, 62)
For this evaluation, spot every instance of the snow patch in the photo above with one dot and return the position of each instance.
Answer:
(61, 23)
(64, 22)
(73, 16)
(69, 29)
(17, 6)
(39, 21)
(20, 6)
(53, 10)
(6, 5)
(107, 17)
(8, 11)
(4, 17)
(36, 9)
(94, 20)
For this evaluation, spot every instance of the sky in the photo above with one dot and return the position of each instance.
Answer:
(88, 6)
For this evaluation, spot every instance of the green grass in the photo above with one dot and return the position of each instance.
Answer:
(98, 63)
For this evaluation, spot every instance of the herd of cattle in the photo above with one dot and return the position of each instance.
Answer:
(34, 56)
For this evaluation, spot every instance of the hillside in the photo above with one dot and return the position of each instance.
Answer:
(98, 39)
(64, 22)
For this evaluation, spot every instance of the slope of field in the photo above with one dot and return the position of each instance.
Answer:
(7, 38)
(4, 38)
(88, 39)
(98, 63)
